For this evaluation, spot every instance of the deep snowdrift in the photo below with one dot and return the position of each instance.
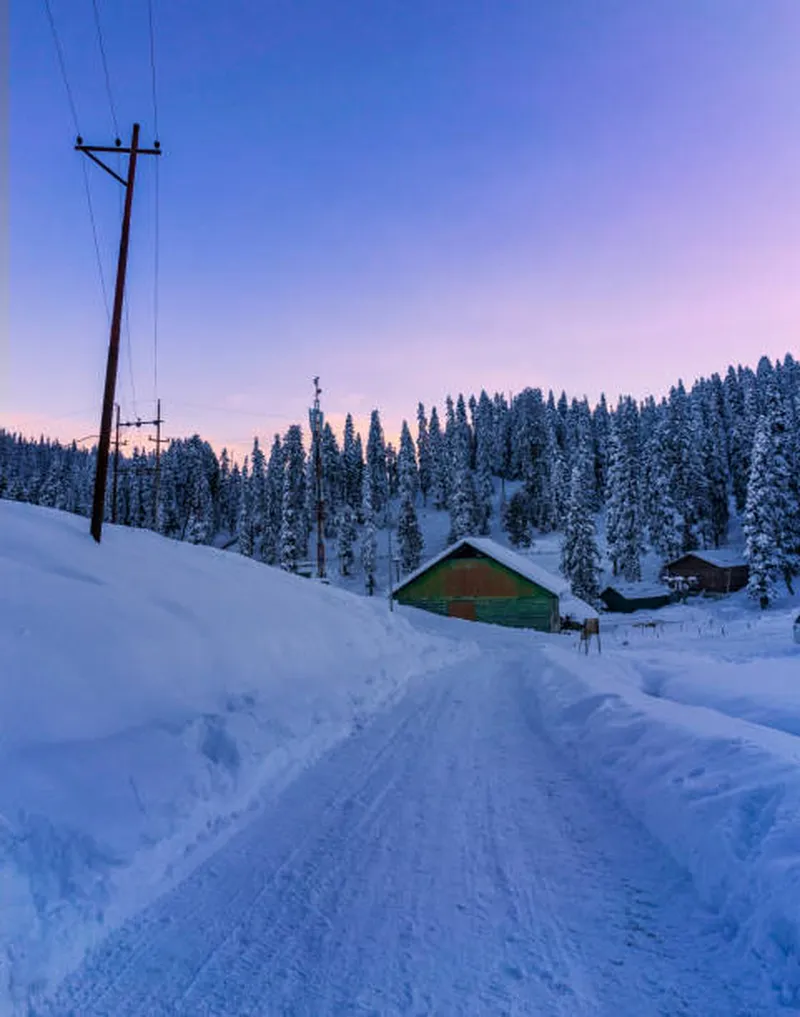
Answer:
(698, 739)
(149, 692)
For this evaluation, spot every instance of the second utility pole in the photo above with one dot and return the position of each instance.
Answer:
(99, 503)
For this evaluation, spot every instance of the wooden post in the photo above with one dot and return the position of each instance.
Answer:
(116, 469)
(103, 448)
(98, 508)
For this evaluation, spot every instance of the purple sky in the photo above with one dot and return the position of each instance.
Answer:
(407, 198)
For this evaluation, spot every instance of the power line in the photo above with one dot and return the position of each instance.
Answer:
(130, 356)
(71, 100)
(105, 66)
(96, 241)
(155, 286)
(62, 65)
(153, 65)
(157, 240)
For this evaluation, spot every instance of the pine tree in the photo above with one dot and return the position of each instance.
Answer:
(623, 522)
(516, 521)
(762, 519)
(352, 466)
(274, 502)
(294, 544)
(440, 467)
(377, 478)
(346, 540)
(464, 519)
(369, 544)
(409, 535)
(580, 559)
(424, 454)
(408, 473)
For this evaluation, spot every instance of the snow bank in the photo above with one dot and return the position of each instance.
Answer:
(721, 793)
(149, 692)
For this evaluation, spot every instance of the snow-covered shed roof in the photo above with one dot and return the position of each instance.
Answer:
(569, 605)
(721, 557)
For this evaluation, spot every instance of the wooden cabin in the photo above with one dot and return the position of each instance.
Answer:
(719, 571)
(480, 580)
(623, 603)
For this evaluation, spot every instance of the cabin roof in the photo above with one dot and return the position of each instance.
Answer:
(721, 557)
(636, 590)
(569, 605)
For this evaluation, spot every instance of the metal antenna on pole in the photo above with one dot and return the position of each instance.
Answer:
(103, 449)
(316, 430)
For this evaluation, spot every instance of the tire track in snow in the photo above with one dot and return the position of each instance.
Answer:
(444, 860)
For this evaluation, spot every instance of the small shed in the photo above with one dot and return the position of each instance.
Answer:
(719, 571)
(624, 602)
(480, 580)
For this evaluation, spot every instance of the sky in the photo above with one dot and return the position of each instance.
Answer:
(406, 198)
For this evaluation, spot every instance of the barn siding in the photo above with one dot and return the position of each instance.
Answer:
(501, 596)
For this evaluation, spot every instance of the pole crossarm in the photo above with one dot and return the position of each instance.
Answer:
(91, 149)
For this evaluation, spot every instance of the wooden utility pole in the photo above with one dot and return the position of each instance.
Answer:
(157, 479)
(98, 507)
(116, 468)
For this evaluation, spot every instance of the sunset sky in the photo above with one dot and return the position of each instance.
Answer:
(407, 198)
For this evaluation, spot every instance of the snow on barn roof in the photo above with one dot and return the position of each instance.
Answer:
(721, 557)
(569, 605)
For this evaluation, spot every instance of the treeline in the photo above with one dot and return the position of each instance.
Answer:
(666, 474)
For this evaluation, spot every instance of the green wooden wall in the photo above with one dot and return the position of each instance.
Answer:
(499, 596)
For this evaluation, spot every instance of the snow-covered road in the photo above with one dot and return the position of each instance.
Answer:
(445, 860)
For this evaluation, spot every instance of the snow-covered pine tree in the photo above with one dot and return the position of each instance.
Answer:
(623, 523)
(258, 501)
(516, 520)
(200, 504)
(464, 515)
(440, 466)
(332, 480)
(762, 519)
(601, 424)
(409, 535)
(392, 471)
(425, 467)
(294, 521)
(369, 543)
(346, 539)
(664, 520)
(408, 473)
(274, 502)
(787, 509)
(580, 559)
(352, 466)
(377, 477)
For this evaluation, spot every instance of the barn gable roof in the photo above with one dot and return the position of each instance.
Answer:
(721, 558)
(523, 566)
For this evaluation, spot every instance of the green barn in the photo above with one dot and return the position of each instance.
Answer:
(478, 579)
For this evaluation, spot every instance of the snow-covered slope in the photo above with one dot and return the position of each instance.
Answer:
(149, 692)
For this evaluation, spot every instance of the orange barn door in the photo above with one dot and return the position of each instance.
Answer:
(462, 609)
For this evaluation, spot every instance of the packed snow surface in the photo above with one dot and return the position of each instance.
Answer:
(229, 791)
(149, 692)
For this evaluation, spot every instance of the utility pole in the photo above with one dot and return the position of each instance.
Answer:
(117, 444)
(133, 423)
(98, 507)
(316, 425)
(157, 479)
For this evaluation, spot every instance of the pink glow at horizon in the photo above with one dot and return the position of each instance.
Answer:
(430, 200)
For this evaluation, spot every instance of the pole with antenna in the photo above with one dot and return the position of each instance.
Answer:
(316, 422)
